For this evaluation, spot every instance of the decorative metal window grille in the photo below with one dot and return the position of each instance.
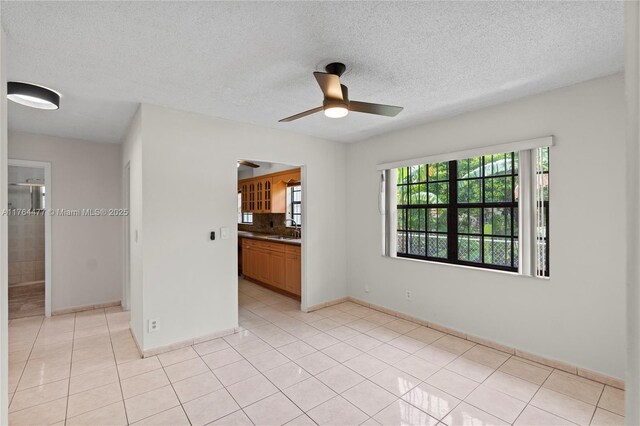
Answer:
(462, 212)
(294, 200)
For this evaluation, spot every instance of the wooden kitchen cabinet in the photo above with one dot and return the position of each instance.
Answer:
(251, 196)
(275, 264)
(268, 193)
(293, 270)
(244, 196)
(248, 259)
(277, 270)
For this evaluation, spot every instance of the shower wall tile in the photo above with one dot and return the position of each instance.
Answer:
(26, 248)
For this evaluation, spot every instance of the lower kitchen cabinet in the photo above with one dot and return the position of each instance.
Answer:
(277, 270)
(275, 264)
(293, 270)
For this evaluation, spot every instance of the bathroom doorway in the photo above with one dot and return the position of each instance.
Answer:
(29, 242)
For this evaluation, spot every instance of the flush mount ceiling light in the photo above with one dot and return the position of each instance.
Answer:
(336, 102)
(32, 95)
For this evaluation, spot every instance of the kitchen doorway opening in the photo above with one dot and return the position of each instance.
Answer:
(29, 238)
(271, 236)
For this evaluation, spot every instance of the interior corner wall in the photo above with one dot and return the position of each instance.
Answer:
(578, 315)
(632, 92)
(132, 157)
(86, 251)
(4, 260)
(189, 184)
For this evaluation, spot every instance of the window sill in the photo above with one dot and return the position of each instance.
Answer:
(431, 262)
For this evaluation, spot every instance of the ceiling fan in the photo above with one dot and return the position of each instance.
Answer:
(336, 102)
(248, 164)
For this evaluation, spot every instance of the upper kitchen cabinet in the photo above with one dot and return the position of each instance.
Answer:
(267, 193)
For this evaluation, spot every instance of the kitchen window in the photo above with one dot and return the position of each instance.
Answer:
(294, 204)
(243, 217)
(466, 210)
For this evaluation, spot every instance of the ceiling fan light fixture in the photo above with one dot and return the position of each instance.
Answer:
(336, 111)
(32, 95)
(336, 102)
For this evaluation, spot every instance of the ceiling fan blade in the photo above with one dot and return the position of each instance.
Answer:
(345, 92)
(248, 164)
(378, 109)
(329, 84)
(302, 114)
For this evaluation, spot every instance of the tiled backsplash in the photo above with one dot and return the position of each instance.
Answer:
(268, 223)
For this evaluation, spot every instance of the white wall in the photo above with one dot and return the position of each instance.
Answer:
(132, 156)
(577, 316)
(86, 251)
(189, 188)
(632, 86)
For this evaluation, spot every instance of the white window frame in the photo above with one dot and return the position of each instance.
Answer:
(529, 202)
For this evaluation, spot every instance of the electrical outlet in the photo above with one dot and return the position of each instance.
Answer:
(154, 325)
(408, 295)
(366, 289)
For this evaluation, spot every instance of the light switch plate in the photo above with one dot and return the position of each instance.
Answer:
(224, 233)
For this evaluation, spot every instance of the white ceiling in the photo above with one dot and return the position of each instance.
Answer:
(252, 61)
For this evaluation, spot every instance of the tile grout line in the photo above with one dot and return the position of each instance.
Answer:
(597, 402)
(460, 399)
(294, 361)
(273, 307)
(274, 385)
(73, 342)
(367, 379)
(174, 389)
(223, 386)
(510, 356)
(33, 344)
(568, 396)
(115, 359)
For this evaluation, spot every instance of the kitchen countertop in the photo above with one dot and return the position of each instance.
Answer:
(268, 237)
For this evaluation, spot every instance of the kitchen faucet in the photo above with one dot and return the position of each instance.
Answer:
(297, 232)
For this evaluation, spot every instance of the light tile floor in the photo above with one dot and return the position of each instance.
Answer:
(342, 365)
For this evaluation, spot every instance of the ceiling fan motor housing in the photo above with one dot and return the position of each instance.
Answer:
(337, 68)
(334, 103)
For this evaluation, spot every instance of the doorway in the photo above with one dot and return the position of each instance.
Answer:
(29, 238)
(126, 294)
(271, 222)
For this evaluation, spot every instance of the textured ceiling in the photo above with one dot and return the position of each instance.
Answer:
(252, 61)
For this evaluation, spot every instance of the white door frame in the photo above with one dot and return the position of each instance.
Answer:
(126, 291)
(303, 243)
(47, 224)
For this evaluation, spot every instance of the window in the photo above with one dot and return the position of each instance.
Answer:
(245, 218)
(467, 211)
(294, 204)
(461, 211)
